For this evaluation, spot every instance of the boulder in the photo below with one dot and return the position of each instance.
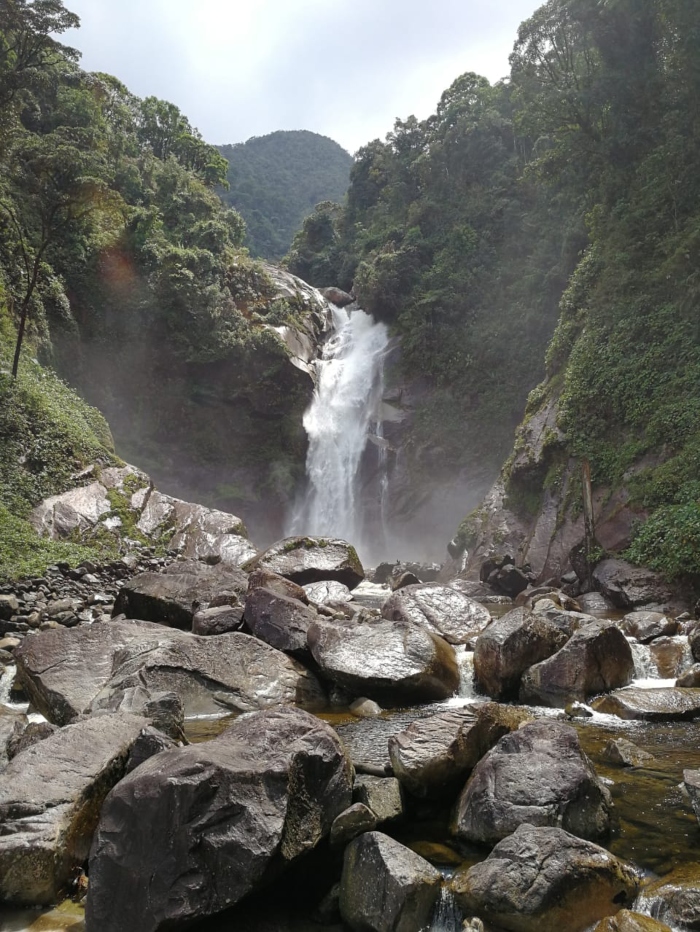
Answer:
(670, 655)
(380, 794)
(67, 672)
(50, 799)
(627, 921)
(509, 580)
(386, 887)
(389, 661)
(355, 820)
(596, 659)
(311, 559)
(694, 642)
(192, 831)
(539, 775)
(646, 626)
(509, 646)
(690, 678)
(651, 705)
(11, 724)
(691, 779)
(546, 880)
(624, 753)
(266, 579)
(630, 586)
(219, 620)
(321, 593)
(173, 597)
(403, 580)
(442, 610)
(595, 603)
(24, 737)
(337, 296)
(674, 899)
(279, 620)
(434, 755)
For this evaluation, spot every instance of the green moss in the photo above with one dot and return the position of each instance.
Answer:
(24, 553)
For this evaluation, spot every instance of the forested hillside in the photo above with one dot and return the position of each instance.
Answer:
(567, 195)
(130, 275)
(276, 180)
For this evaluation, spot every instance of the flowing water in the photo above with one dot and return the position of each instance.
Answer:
(339, 422)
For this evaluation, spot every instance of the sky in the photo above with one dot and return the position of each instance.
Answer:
(343, 68)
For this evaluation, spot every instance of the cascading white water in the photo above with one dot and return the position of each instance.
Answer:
(338, 422)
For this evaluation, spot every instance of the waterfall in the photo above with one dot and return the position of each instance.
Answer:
(447, 916)
(338, 423)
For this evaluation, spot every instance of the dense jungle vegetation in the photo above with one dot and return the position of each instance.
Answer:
(128, 268)
(275, 181)
(563, 200)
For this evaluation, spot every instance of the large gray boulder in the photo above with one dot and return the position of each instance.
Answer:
(596, 659)
(442, 610)
(539, 775)
(194, 830)
(546, 880)
(311, 559)
(389, 661)
(629, 586)
(11, 723)
(647, 626)
(433, 756)
(386, 887)
(278, 620)
(509, 646)
(174, 596)
(69, 672)
(50, 799)
(670, 704)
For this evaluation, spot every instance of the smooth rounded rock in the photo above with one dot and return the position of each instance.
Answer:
(627, 921)
(278, 620)
(311, 559)
(651, 705)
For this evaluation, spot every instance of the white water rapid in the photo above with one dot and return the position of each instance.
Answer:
(339, 421)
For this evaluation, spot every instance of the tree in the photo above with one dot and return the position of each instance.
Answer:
(53, 188)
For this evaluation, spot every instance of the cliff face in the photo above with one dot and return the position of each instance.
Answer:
(227, 432)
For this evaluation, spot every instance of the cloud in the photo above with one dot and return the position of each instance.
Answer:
(344, 68)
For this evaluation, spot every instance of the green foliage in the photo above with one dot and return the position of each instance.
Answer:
(23, 553)
(669, 541)
(276, 180)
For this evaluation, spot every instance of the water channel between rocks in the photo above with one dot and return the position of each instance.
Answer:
(656, 828)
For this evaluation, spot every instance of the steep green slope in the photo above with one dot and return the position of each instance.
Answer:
(276, 180)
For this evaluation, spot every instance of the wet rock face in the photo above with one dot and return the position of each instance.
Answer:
(386, 887)
(624, 753)
(675, 899)
(546, 880)
(537, 775)
(173, 597)
(647, 626)
(434, 754)
(388, 661)
(630, 586)
(311, 559)
(190, 833)
(596, 659)
(651, 705)
(442, 610)
(279, 621)
(66, 673)
(627, 921)
(509, 646)
(691, 780)
(50, 798)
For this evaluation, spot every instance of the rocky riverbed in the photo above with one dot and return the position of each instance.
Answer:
(284, 744)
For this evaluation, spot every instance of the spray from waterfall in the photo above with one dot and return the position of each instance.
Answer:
(338, 422)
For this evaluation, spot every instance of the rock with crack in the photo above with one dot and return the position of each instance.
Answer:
(443, 610)
(50, 799)
(69, 672)
(311, 559)
(196, 829)
(173, 597)
(539, 775)
(546, 880)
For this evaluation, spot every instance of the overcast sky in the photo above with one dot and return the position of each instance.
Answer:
(343, 68)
